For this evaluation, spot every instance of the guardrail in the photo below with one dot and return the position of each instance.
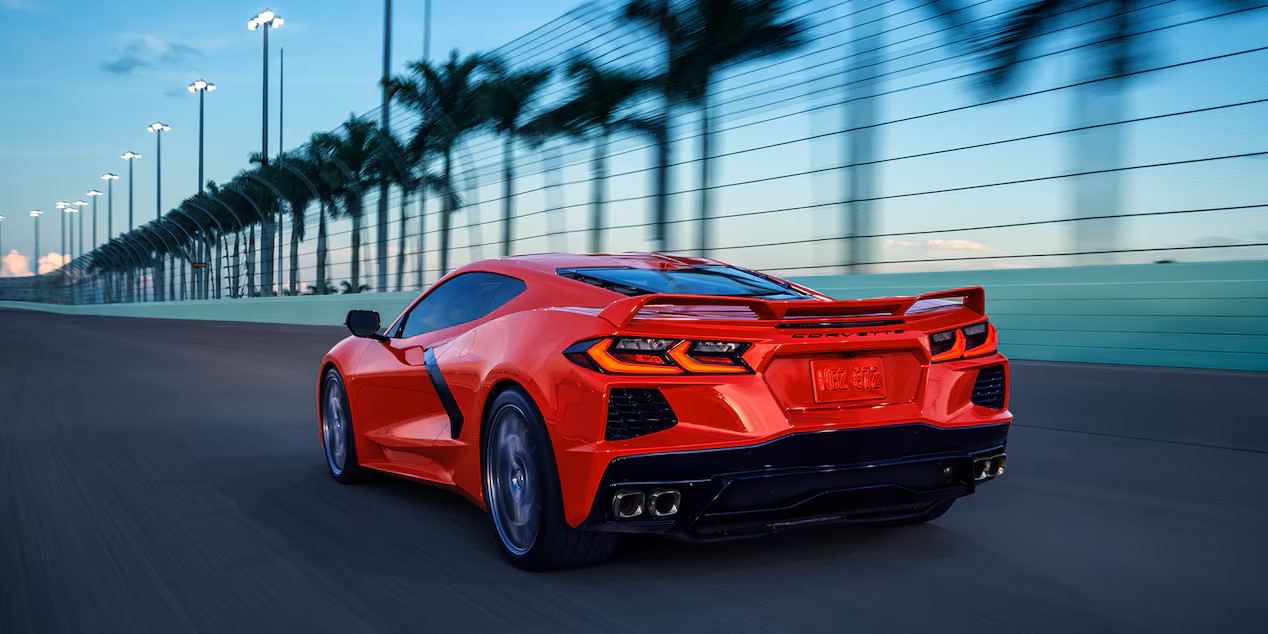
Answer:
(1193, 315)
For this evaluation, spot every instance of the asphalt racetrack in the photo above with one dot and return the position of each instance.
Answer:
(166, 476)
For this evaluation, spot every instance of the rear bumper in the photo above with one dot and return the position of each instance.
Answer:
(867, 474)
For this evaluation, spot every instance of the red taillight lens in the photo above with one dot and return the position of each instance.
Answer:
(637, 355)
(969, 341)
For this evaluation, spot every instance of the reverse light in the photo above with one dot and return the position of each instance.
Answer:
(974, 340)
(642, 355)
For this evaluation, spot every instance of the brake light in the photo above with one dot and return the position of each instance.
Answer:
(717, 363)
(974, 340)
(980, 339)
(638, 355)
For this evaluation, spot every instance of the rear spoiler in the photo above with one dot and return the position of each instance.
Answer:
(623, 311)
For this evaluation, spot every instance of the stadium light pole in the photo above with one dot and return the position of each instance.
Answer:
(36, 213)
(94, 195)
(158, 129)
(130, 157)
(110, 179)
(202, 87)
(1, 236)
(61, 206)
(265, 21)
(79, 205)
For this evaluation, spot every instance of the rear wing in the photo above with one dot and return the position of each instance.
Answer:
(623, 311)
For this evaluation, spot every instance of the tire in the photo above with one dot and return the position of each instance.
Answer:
(521, 490)
(933, 513)
(337, 440)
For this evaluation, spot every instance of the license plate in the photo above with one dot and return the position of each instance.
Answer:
(837, 380)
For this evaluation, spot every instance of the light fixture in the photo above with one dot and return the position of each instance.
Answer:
(35, 213)
(265, 18)
(201, 84)
(158, 127)
(109, 177)
(131, 156)
(95, 193)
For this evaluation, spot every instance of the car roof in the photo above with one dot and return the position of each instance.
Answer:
(550, 262)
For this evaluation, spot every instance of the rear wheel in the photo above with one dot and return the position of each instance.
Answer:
(336, 431)
(521, 489)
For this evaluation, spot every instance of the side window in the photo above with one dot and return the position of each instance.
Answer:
(461, 299)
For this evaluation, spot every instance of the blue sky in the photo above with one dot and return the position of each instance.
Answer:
(67, 111)
(82, 80)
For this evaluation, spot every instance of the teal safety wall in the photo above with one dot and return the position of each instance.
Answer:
(1196, 315)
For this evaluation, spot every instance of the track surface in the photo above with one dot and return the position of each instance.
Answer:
(166, 476)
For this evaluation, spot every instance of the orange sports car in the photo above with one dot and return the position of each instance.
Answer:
(580, 397)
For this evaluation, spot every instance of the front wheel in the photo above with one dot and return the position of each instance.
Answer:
(521, 490)
(336, 431)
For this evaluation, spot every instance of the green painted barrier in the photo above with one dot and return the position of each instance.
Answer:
(1195, 315)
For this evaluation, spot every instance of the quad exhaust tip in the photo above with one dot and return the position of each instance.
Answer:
(991, 467)
(661, 503)
(664, 502)
(628, 504)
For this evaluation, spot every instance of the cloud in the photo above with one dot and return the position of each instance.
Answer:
(140, 52)
(53, 261)
(14, 264)
(941, 246)
(25, 6)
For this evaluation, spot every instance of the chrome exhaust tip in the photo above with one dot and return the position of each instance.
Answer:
(997, 465)
(628, 504)
(664, 502)
(981, 469)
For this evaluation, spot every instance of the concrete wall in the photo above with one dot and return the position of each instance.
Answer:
(1197, 315)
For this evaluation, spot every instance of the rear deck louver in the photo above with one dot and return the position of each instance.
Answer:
(990, 387)
(634, 412)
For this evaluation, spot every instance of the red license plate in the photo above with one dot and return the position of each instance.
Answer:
(837, 380)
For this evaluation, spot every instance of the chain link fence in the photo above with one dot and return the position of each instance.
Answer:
(884, 136)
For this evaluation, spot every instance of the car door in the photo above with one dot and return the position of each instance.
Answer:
(397, 396)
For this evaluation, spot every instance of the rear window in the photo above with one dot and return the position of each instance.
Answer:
(699, 280)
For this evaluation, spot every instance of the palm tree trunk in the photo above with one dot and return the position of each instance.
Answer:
(266, 255)
(400, 241)
(183, 267)
(380, 251)
(356, 246)
(236, 265)
(660, 239)
(294, 283)
(446, 210)
(551, 165)
(860, 143)
(598, 193)
(321, 250)
(422, 232)
(251, 262)
(706, 160)
(508, 191)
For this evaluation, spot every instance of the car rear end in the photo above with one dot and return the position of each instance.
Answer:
(730, 416)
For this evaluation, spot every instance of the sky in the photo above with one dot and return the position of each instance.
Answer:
(68, 111)
(72, 103)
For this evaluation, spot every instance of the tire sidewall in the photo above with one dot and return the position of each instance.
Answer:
(351, 468)
(550, 519)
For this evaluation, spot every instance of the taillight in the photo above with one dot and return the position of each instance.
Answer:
(969, 341)
(641, 355)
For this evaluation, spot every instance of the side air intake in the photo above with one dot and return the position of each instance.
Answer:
(990, 387)
(634, 412)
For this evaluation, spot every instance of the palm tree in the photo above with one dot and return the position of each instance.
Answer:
(504, 97)
(444, 95)
(599, 96)
(287, 174)
(1109, 52)
(354, 152)
(722, 33)
(321, 171)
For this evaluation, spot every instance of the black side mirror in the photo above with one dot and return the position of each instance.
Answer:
(364, 323)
